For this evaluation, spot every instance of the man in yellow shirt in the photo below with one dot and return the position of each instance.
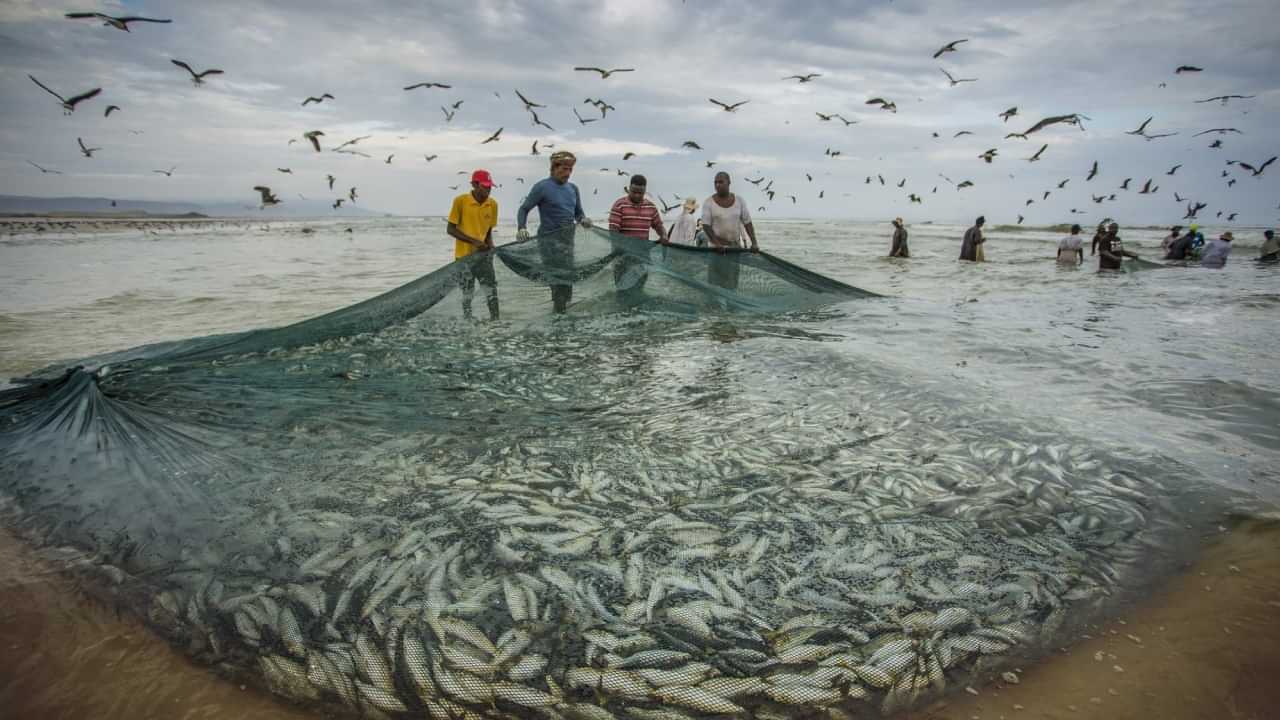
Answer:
(471, 222)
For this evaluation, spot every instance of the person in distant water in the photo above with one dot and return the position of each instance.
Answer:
(1111, 250)
(1071, 248)
(899, 248)
(1270, 251)
(700, 235)
(559, 206)
(1171, 238)
(1216, 252)
(725, 219)
(1197, 241)
(684, 225)
(1183, 247)
(471, 221)
(1098, 234)
(633, 215)
(971, 246)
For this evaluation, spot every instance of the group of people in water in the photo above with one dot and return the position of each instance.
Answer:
(1108, 247)
(725, 225)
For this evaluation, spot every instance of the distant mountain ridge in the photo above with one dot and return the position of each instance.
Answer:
(19, 204)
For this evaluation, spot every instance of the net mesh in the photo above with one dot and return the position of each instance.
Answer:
(393, 510)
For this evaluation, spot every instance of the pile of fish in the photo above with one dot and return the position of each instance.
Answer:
(857, 549)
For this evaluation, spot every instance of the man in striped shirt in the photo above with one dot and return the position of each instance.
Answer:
(633, 215)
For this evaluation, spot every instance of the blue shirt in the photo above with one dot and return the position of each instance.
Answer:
(558, 204)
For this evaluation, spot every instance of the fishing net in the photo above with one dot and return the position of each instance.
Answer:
(621, 513)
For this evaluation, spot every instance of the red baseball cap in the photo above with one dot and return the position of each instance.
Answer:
(483, 177)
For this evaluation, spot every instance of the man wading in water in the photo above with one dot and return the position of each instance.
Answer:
(559, 206)
(725, 219)
(899, 248)
(1111, 250)
(971, 246)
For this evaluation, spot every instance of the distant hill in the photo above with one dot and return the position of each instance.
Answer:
(20, 204)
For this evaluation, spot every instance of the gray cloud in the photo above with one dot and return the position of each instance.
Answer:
(1104, 59)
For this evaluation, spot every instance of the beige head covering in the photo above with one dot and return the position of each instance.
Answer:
(690, 203)
(562, 156)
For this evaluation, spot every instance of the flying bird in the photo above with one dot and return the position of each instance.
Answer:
(600, 105)
(1009, 113)
(1176, 197)
(604, 74)
(538, 121)
(352, 194)
(1215, 144)
(1231, 182)
(1020, 219)
(493, 138)
(803, 78)
(582, 120)
(110, 108)
(1039, 152)
(120, 23)
(1259, 170)
(197, 78)
(956, 81)
(1225, 98)
(43, 170)
(914, 198)
(68, 104)
(1093, 172)
(330, 178)
(1072, 119)
(884, 104)
(1029, 202)
(1097, 199)
(287, 171)
(964, 185)
(314, 136)
(1220, 131)
(528, 104)
(902, 183)
(448, 115)
(338, 203)
(1063, 184)
(690, 144)
(267, 197)
(728, 107)
(388, 160)
(166, 173)
(313, 99)
(847, 123)
(1125, 185)
(949, 47)
(962, 132)
(1173, 170)
(429, 158)
(428, 86)
(824, 118)
(352, 141)
(1187, 68)
(534, 149)
(1142, 131)
(88, 151)
(628, 156)
(988, 156)
(1147, 189)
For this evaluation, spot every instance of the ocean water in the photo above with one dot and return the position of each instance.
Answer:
(981, 409)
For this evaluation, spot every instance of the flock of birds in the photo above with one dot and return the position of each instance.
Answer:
(268, 197)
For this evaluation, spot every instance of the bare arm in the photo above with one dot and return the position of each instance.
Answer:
(457, 234)
(751, 233)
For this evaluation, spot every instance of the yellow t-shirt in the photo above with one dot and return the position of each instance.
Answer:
(474, 219)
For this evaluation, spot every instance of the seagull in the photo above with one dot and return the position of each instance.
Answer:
(448, 116)
(1187, 68)
(1093, 172)
(1259, 170)
(1072, 119)
(429, 158)
(847, 123)
(902, 183)
(352, 194)
(1097, 199)
(267, 197)
(690, 144)
(1125, 185)
(914, 198)
(964, 185)
(1176, 198)
(957, 81)
(604, 74)
(1039, 152)
(44, 170)
(314, 137)
(428, 85)
(1215, 144)
(1063, 184)
(1142, 131)
(1147, 189)
(582, 120)
(88, 151)
(68, 104)
(1231, 182)
(1220, 131)
(1046, 195)
(824, 118)
(314, 99)
(949, 47)
(338, 203)
(109, 109)
(528, 104)
(534, 149)
(600, 105)
(884, 104)
(988, 155)
(352, 141)
(330, 178)
(120, 23)
(196, 78)
(1020, 219)
(1225, 98)
(388, 160)
(628, 156)
(538, 121)
(880, 178)
(727, 107)
(1009, 113)
(962, 132)
(287, 171)
(803, 78)
(1232, 217)
(166, 173)
(1030, 202)
(493, 138)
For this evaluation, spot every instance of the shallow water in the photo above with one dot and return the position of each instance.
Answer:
(1163, 373)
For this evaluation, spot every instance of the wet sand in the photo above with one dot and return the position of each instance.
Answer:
(1206, 646)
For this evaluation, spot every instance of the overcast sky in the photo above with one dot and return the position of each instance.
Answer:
(1105, 60)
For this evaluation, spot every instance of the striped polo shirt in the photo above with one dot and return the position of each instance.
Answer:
(634, 220)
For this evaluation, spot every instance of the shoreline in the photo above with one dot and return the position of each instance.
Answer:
(1203, 646)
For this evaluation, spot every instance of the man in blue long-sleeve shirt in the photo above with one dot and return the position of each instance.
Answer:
(559, 206)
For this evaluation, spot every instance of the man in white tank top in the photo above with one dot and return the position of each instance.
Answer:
(725, 219)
